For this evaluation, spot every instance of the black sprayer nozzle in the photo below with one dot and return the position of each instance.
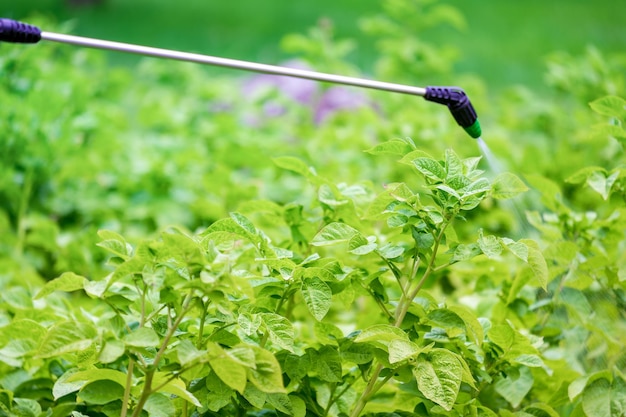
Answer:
(18, 32)
(459, 105)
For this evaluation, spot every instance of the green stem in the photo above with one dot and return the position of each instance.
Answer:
(202, 322)
(334, 399)
(367, 393)
(129, 383)
(330, 400)
(406, 299)
(405, 303)
(147, 387)
(380, 304)
(147, 391)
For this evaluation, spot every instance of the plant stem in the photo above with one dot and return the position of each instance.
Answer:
(147, 386)
(202, 322)
(405, 303)
(129, 382)
(367, 393)
(334, 399)
(373, 384)
(330, 400)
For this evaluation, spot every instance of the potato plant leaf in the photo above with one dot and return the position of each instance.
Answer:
(380, 335)
(267, 375)
(174, 386)
(439, 376)
(67, 282)
(430, 168)
(317, 296)
(279, 329)
(334, 233)
(66, 337)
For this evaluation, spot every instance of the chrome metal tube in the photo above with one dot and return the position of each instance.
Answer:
(232, 63)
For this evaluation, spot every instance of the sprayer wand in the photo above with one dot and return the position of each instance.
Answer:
(453, 97)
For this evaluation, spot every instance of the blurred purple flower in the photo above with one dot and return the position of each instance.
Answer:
(297, 89)
(336, 99)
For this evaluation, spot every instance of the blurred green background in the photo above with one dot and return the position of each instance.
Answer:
(504, 41)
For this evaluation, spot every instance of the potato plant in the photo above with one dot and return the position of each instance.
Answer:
(177, 245)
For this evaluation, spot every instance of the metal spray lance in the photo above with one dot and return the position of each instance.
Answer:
(454, 97)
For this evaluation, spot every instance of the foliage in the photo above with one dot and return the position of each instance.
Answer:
(174, 245)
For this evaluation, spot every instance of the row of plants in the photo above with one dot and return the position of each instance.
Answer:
(180, 243)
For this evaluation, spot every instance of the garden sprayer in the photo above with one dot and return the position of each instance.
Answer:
(453, 97)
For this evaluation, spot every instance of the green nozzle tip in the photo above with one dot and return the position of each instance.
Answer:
(474, 130)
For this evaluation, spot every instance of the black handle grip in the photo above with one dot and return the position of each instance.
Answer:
(18, 32)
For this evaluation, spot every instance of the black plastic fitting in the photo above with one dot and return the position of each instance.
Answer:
(459, 105)
(18, 32)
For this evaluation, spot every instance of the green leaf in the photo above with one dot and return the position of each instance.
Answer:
(141, 338)
(515, 388)
(101, 392)
(531, 361)
(380, 335)
(359, 245)
(430, 168)
(402, 350)
(298, 166)
(63, 386)
(26, 407)
(583, 174)
(454, 165)
(327, 363)
(317, 296)
(489, 245)
(423, 240)
(160, 405)
(502, 335)
(597, 398)
(390, 251)
(393, 192)
(481, 185)
(219, 394)
(439, 376)
(22, 329)
(243, 355)
(279, 329)
(280, 401)
(115, 243)
(68, 282)
(612, 106)
(518, 249)
(474, 330)
(578, 385)
(334, 233)
(99, 374)
(465, 252)
(537, 262)
(112, 350)
(392, 147)
(174, 386)
(66, 337)
(602, 184)
(539, 409)
(507, 185)
(357, 353)
(447, 320)
(230, 372)
(254, 396)
(267, 376)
